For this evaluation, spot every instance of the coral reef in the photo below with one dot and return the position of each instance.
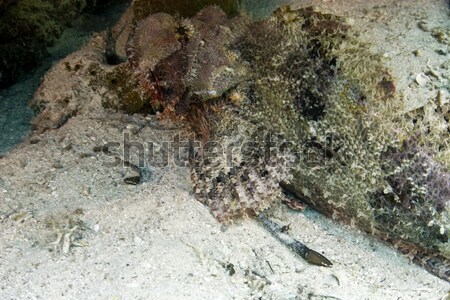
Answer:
(182, 8)
(84, 82)
(27, 28)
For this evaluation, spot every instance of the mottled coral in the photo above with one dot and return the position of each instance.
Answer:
(83, 82)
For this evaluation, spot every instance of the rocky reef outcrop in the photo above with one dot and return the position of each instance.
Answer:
(29, 27)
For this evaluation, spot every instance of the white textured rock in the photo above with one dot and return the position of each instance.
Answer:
(422, 79)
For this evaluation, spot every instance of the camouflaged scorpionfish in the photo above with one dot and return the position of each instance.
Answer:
(303, 85)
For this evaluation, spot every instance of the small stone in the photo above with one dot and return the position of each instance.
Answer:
(441, 52)
(424, 26)
(442, 98)
(422, 79)
(34, 140)
(85, 192)
(432, 72)
(133, 284)
(417, 53)
(133, 180)
(57, 165)
(388, 190)
(214, 271)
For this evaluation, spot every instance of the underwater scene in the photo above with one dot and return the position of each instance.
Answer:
(235, 149)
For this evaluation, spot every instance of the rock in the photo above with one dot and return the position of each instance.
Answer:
(422, 79)
(442, 98)
(65, 90)
(183, 8)
(27, 28)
